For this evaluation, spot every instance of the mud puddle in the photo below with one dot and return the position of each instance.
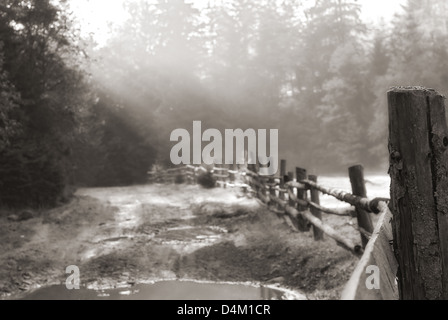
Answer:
(125, 237)
(167, 290)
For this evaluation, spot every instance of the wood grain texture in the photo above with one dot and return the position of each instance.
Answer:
(418, 170)
(378, 252)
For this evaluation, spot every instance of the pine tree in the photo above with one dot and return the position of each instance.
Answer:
(330, 79)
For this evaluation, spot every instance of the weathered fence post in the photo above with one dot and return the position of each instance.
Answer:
(216, 174)
(252, 166)
(290, 177)
(303, 224)
(291, 202)
(318, 234)
(418, 144)
(282, 171)
(264, 189)
(356, 174)
(195, 175)
(281, 194)
(224, 172)
(232, 175)
(272, 193)
(272, 187)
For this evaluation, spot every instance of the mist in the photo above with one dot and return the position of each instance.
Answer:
(317, 72)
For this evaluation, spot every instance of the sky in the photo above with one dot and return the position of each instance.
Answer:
(95, 15)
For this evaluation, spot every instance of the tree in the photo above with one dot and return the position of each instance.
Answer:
(330, 82)
(415, 53)
(9, 103)
(38, 64)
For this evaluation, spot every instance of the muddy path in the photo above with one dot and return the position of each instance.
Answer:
(121, 237)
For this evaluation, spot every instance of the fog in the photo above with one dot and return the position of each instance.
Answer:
(317, 71)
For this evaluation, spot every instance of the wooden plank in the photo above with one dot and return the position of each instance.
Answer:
(419, 188)
(318, 234)
(281, 193)
(263, 197)
(282, 171)
(378, 253)
(292, 200)
(289, 177)
(356, 174)
(439, 141)
(272, 193)
(253, 165)
(232, 173)
(302, 223)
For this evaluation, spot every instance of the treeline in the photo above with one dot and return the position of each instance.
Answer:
(315, 71)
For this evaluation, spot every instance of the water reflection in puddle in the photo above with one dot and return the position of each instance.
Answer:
(166, 290)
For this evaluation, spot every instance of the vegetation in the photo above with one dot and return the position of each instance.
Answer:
(206, 180)
(76, 114)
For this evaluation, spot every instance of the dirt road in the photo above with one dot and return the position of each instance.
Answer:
(120, 237)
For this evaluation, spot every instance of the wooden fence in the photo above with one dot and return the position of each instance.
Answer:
(408, 249)
(296, 199)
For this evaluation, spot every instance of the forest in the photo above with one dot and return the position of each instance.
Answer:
(76, 113)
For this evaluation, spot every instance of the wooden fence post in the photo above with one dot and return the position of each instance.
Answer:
(288, 178)
(281, 194)
(291, 202)
(224, 172)
(232, 175)
(418, 144)
(282, 171)
(356, 174)
(272, 193)
(252, 166)
(195, 175)
(217, 172)
(303, 224)
(318, 234)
